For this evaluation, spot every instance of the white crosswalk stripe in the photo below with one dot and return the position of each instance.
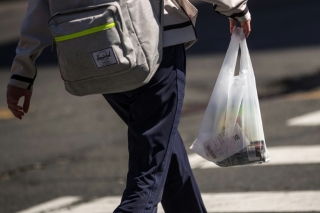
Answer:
(104, 204)
(281, 155)
(294, 201)
(310, 119)
(57, 203)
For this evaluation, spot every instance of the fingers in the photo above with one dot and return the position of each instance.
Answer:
(26, 103)
(14, 106)
(17, 113)
(16, 110)
(13, 96)
(232, 24)
(246, 26)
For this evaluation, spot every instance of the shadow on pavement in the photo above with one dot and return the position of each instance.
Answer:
(303, 83)
(298, 84)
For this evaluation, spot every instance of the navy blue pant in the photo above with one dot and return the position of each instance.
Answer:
(159, 169)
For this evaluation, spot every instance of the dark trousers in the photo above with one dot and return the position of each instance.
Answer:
(159, 169)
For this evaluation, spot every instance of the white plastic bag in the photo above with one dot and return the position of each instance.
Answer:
(231, 131)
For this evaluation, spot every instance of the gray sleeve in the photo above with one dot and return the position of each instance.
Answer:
(35, 36)
(235, 9)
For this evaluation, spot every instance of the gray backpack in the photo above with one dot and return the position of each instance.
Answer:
(108, 47)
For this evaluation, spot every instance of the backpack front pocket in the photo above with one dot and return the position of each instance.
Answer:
(92, 42)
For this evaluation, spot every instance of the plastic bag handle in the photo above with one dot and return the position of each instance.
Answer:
(236, 88)
(230, 59)
(245, 61)
(237, 39)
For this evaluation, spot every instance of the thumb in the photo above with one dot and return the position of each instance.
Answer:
(26, 103)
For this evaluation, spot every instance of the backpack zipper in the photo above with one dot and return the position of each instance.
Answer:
(85, 32)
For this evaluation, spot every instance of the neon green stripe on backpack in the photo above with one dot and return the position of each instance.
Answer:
(85, 32)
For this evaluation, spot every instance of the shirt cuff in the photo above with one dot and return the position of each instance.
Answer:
(244, 18)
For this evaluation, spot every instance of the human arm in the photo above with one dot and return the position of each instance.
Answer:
(236, 10)
(35, 36)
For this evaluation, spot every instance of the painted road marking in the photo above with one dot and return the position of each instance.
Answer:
(104, 204)
(310, 119)
(5, 114)
(281, 201)
(294, 201)
(281, 155)
(51, 205)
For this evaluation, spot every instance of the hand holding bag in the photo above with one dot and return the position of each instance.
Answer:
(231, 132)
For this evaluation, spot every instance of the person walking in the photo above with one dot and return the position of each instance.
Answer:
(158, 170)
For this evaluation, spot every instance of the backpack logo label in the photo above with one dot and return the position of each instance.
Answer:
(104, 58)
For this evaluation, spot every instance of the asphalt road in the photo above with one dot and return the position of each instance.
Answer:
(75, 146)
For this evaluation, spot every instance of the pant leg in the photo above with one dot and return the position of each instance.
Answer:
(152, 113)
(181, 192)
